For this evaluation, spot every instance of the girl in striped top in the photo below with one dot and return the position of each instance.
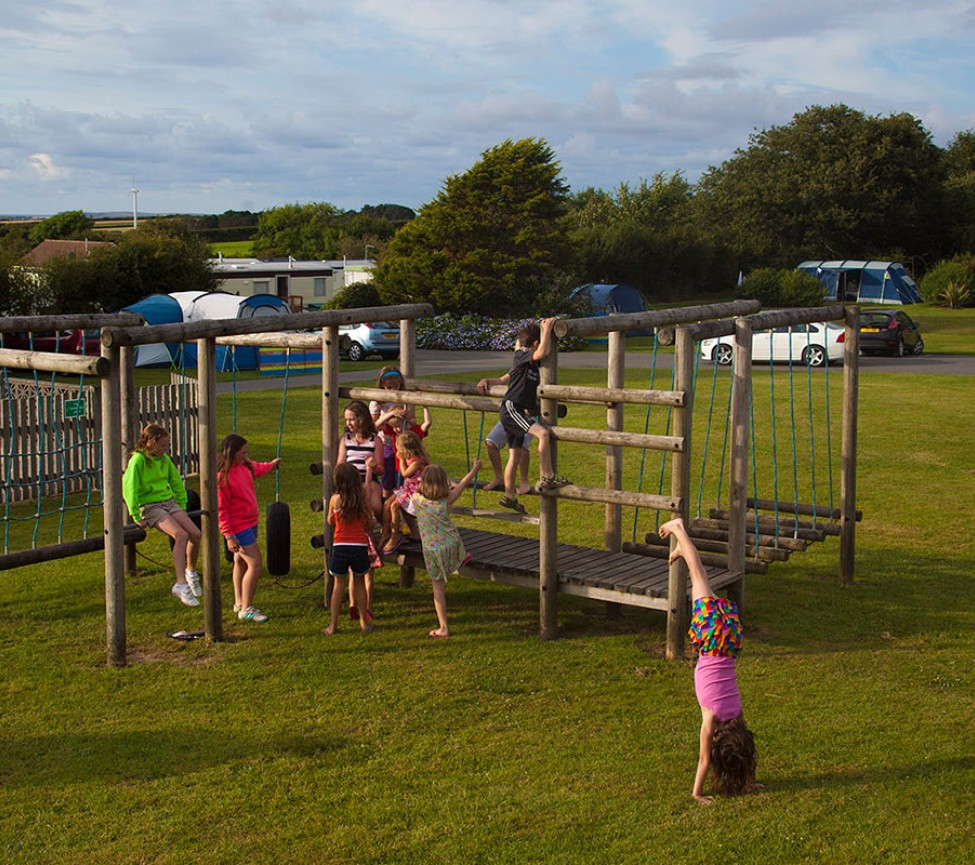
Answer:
(360, 447)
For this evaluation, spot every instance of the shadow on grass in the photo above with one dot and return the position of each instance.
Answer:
(934, 770)
(144, 755)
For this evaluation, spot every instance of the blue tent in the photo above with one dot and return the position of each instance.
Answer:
(157, 309)
(865, 281)
(609, 299)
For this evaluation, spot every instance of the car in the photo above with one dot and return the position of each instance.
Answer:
(889, 331)
(811, 344)
(358, 341)
(64, 341)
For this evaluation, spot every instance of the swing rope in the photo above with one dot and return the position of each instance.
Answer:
(284, 404)
(646, 427)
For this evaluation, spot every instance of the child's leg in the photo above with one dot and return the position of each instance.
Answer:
(374, 497)
(394, 524)
(192, 540)
(684, 548)
(494, 455)
(240, 568)
(387, 522)
(440, 605)
(338, 589)
(544, 449)
(359, 583)
(254, 563)
(170, 525)
(523, 470)
(510, 471)
(411, 524)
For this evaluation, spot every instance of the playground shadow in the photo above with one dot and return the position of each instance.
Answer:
(143, 755)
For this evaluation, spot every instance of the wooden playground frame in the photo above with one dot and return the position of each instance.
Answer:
(691, 324)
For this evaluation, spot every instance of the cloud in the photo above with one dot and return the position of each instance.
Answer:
(43, 165)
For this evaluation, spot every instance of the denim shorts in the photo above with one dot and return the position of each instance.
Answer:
(345, 556)
(247, 536)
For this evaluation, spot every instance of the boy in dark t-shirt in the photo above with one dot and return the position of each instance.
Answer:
(520, 411)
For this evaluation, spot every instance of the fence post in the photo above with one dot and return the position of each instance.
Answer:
(848, 475)
(548, 574)
(210, 546)
(113, 512)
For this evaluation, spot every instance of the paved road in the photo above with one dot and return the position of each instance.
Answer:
(442, 362)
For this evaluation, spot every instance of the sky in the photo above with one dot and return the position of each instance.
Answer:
(214, 106)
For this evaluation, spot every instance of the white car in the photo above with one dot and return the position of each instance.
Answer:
(809, 344)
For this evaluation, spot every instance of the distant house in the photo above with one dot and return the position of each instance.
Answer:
(302, 284)
(47, 250)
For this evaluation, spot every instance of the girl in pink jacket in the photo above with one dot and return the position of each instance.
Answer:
(238, 518)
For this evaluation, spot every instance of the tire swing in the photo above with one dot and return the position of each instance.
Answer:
(278, 520)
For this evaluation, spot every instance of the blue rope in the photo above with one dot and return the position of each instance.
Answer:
(284, 403)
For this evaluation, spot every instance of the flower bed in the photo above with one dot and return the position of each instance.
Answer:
(477, 333)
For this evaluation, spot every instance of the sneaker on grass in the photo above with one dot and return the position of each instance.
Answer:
(251, 614)
(183, 592)
(196, 585)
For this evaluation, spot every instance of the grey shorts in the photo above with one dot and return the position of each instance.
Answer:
(499, 438)
(153, 512)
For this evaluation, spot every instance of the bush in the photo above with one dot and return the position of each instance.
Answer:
(477, 333)
(778, 287)
(951, 282)
(355, 296)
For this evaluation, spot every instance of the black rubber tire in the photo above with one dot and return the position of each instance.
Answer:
(192, 504)
(899, 349)
(356, 352)
(278, 528)
(918, 347)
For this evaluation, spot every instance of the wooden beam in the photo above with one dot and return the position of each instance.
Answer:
(50, 361)
(655, 318)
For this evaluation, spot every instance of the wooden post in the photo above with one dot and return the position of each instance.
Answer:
(848, 476)
(331, 424)
(210, 546)
(548, 574)
(677, 613)
(407, 368)
(130, 429)
(615, 380)
(741, 397)
(113, 511)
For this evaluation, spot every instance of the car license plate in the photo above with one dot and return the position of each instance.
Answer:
(869, 330)
(390, 335)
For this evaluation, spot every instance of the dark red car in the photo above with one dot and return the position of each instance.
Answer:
(889, 331)
(64, 341)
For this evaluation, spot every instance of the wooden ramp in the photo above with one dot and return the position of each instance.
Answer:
(600, 575)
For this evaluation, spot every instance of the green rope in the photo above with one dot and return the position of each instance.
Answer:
(829, 440)
(795, 451)
(284, 404)
(480, 443)
(812, 438)
(646, 427)
(233, 388)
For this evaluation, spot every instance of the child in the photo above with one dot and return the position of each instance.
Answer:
(413, 460)
(360, 446)
(520, 411)
(727, 745)
(238, 518)
(494, 441)
(384, 415)
(443, 550)
(352, 519)
(156, 497)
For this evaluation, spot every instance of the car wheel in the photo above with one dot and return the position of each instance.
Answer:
(919, 346)
(723, 353)
(356, 352)
(814, 355)
(899, 350)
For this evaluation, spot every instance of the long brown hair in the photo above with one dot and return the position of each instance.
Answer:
(352, 496)
(366, 425)
(151, 433)
(229, 448)
(733, 756)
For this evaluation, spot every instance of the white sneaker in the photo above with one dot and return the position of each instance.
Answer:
(237, 608)
(196, 585)
(251, 614)
(185, 594)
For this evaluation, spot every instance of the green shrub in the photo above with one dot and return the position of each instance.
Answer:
(778, 287)
(959, 272)
(355, 296)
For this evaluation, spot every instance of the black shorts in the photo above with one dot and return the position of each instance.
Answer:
(516, 422)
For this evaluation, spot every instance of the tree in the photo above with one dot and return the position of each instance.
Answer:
(490, 242)
(832, 183)
(303, 231)
(67, 225)
(959, 161)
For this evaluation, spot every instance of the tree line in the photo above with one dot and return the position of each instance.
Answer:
(509, 234)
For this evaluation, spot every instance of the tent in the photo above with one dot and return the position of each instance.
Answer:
(220, 305)
(865, 281)
(157, 309)
(609, 299)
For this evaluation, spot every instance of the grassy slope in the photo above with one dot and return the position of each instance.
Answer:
(279, 745)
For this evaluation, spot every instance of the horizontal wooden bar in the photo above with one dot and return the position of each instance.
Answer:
(708, 559)
(193, 330)
(52, 361)
(487, 513)
(784, 507)
(413, 397)
(654, 318)
(45, 323)
(769, 319)
(132, 534)
(274, 340)
(616, 497)
(796, 545)
(568, 393)
(611, 438)
(768, 526)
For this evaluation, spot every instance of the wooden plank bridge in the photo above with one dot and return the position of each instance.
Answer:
(601, 575)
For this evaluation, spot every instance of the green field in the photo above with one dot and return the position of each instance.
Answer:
(281, 745)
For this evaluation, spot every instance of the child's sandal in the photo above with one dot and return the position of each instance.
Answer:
(513, 504)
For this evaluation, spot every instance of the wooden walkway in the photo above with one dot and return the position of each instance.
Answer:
(600, 575)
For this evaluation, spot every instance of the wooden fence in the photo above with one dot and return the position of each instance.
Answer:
(51, 435)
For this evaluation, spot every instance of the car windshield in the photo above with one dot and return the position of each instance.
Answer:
(874, 319)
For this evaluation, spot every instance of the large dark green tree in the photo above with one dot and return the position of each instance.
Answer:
(67, 225)
(303, 231)
(959, 161)
(833, 183)
(492, 240)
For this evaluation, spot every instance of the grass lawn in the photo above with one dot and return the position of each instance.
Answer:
(281, 745)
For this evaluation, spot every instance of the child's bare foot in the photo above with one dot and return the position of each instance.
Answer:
(366, 627)
(672, 527)
(524, 489)
(439, 632)
(493, 485)
(329, 631)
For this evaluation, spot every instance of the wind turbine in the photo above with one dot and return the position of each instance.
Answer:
(135, 205)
